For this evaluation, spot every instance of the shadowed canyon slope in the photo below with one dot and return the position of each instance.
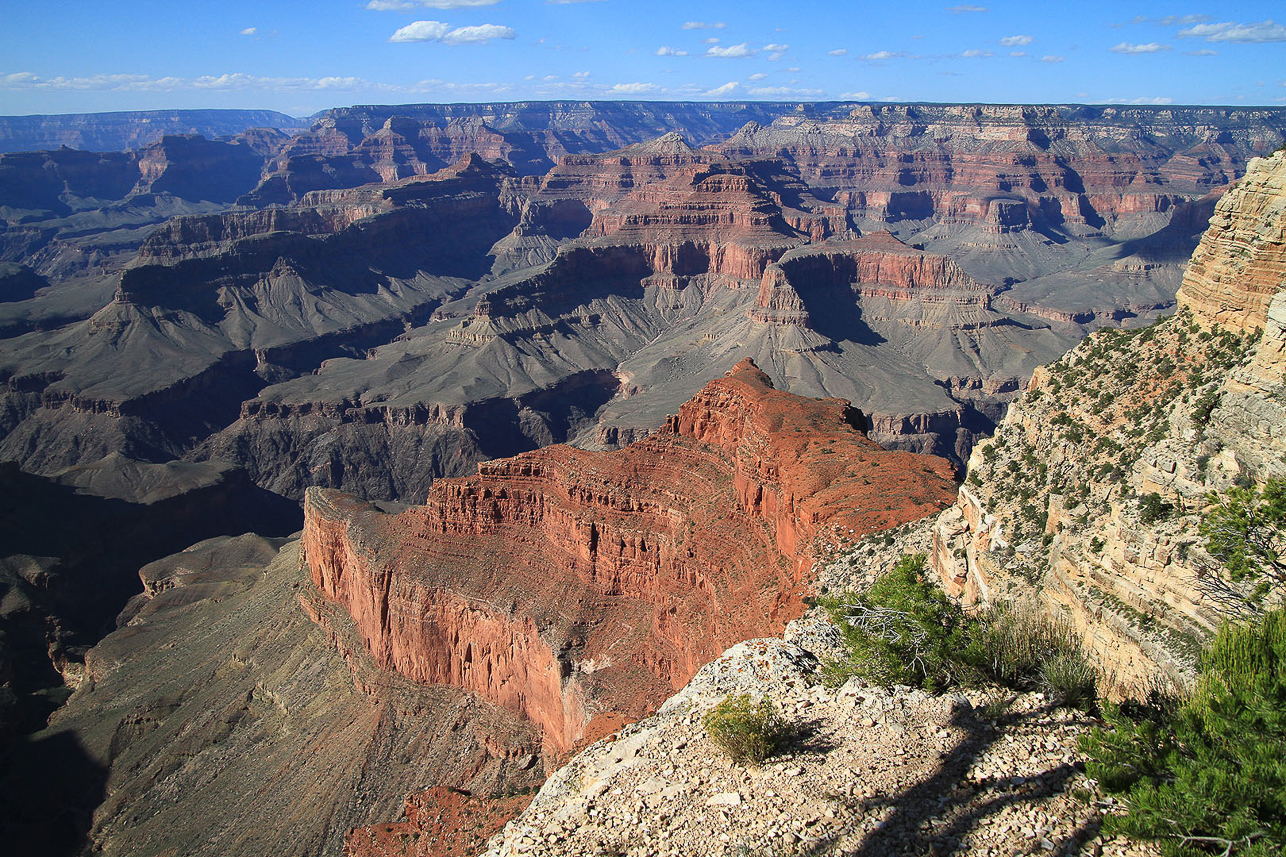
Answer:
(364, 316)
(462, 644)
(565, 584)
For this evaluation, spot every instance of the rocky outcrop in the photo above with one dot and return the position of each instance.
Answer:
(567, 585)
(1241, 261)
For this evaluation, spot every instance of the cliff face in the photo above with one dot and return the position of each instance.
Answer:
(1052, 504)
(566, 584)
(1241, 261)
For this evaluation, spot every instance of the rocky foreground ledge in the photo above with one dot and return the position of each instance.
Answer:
(869, 772)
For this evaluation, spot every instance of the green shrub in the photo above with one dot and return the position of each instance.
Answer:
(1209, 777)
(1153, 509)
(747, 730)
(903, 630)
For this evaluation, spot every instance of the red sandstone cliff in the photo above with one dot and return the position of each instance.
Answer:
(566, 584)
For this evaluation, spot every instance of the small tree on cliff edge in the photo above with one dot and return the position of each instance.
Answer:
(1246, 533)
(1208, 777)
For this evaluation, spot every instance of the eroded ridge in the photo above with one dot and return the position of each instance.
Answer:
(565, 584)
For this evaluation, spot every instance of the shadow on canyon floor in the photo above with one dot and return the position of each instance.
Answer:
(49, 788)
(919, 824)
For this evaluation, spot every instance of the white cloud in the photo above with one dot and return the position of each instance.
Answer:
(249, 31)
(759, 75)
(1052, 58)
(229, 81)
(883, 55)
(784, 92)
(479, 34)
(1015, 41)
(727, 89)
(1228, 31)
(972, 53)
(792, 69)
(436, 31)
(667, 51)
(713, 40)
(702, 25)
(966, 8)
(732, 51)
(1128, 48)
(633, 88)
(838, 52)
(1204, 52)
(776, 47)
(411, 5)
(421, 31)
(856, 96)
(1018, 53)
(581, 75)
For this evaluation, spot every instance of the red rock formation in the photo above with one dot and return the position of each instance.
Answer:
(567, 584)
(440, 822)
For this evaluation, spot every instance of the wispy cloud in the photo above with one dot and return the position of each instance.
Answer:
(883, 55)
(667, 51)
(1015, 41)
(759, 75)
(702, 25)
(1128, 48)
(634, 88)
(412, 5)
(1156, 99)
(249, 31)
(960, 10)
(863, 95)
(147, 83)
(1170, 20)
(1018, 53)
(1052, 58)
(784, 92)
(838, 52)
(436, 31)
(1204, 52)
(974, 53)
(732, 51)
(1228, 31)
(721, 91)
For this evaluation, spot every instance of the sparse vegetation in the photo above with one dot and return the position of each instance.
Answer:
(905, 630)
(1206, 775)
(746, 729)
(1245, 531)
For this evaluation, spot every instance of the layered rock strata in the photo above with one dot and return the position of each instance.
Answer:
(1053, 505)
(567, 585)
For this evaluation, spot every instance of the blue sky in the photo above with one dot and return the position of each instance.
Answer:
(61, 56)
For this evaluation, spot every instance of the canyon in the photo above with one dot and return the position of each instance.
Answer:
(574, 397)
(636, 567)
